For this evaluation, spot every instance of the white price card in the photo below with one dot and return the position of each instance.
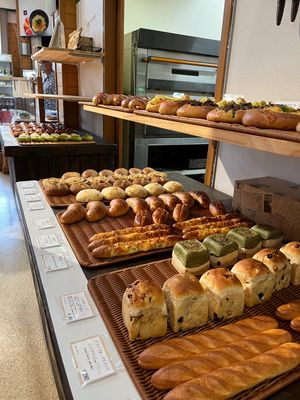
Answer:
(33, 197)
(91, 359)
(27, 185)
(43, 223)
(49, 240)
(76, 306)
(29, 191)
(54, 262)
(34, 206)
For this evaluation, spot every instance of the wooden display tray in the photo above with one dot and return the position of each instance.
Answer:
(270, 133)
(114, 108)
(69, 142)
(107, 292)
(78, 235)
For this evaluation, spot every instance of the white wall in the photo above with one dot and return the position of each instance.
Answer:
(200, 18)
(90, 17)
(264, 64)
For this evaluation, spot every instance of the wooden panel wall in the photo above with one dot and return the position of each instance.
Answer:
(19, 62)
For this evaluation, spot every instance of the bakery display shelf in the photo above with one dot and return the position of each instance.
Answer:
(66, 56)
(272, 141)
(107, 292)
(64, 97)
(68, 142)
(78, 235)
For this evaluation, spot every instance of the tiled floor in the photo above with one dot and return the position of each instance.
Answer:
(25, 370)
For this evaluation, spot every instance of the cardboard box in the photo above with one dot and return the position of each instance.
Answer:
(272, 201)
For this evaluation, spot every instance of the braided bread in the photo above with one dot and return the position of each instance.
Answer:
(136, 229)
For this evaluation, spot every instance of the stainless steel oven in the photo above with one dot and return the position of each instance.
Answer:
(163, 63)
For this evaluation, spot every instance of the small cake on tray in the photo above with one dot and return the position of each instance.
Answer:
(186, 302)
(223, 251)
(248, 241)
(256, 279)
(190, 255)
(271, 237)
(224, 292)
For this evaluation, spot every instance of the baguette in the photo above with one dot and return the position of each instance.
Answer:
(202, 233)
(137, 229)
(128, 238)
(227, 382)
(125, 248)
(204, 220)
(177, 373)
(168, 351)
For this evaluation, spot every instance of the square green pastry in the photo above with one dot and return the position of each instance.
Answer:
(244, 237)
(220, 245)
(191, 253)
(267, 231)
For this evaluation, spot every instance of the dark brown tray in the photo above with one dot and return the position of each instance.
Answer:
(271, 133)
(58, 201)
(107, 292)
(78, 235)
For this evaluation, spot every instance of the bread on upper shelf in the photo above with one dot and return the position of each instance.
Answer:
(144, 310)
(186, 302)
(225, 293)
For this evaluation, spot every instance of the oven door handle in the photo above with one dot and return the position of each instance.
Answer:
(178, 61)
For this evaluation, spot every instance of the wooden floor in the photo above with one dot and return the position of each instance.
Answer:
(25, 370)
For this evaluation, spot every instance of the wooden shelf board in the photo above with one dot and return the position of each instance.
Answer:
(270, 145)
(56, 97)
(65, 56)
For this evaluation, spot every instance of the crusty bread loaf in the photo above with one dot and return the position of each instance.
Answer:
(256, 279)
(267, 119)
(172, 350)
(144, 310)
(186, 302)
(278, 264)
(225, 293)
(225, 382)
(177, 373)
(292, 252)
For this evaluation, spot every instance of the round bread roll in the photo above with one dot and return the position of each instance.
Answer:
(51, 181)
(180, 213)
(88, 173)
(118, 207)
(137, 204)
(136, 191)
(140, 181)
(154, 189)
(147, 170)
(67, 175)
(121, 171)
(106, 172)
(122, 183)
(99, 185)
(134, 171)
(87, 195)
(57, 189)
(173, 186)
(170, 200)
(113, 192)
(216, 208)
(97, 179)
(142, 218)
(95, 210)
(185, 198)
(74, 179)
(77, 187)
(160, 216)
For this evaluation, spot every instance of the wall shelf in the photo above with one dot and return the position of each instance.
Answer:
(66, 56)
(262, 143)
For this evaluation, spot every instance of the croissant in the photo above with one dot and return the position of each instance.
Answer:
(177, 373)
(202, 198)
(95, 210)
(226, 382)
(117, 208)
(172, 350)
(74, 213)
